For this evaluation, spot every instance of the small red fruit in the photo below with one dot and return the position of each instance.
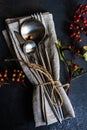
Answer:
(69, 47)
(75, 66)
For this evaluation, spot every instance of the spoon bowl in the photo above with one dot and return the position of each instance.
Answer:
(32, 29)
(29, 47)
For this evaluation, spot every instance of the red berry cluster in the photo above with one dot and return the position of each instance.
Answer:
(18, 76)
(79, 23)
(3, 76)
(14, 76)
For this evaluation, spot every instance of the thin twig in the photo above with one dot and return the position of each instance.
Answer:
(79, 76)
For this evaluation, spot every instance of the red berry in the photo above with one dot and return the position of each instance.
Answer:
(74, 16)
(76, 35)
(78, 32)
(77, 27)
(82, 28)
(75, 66)
(86, 24)
(18, 80)
(86, 6)
(70, 27)
(0, 75)
(14, 70)
(85, 21)
(77, 20)
(69, 47)
(78, 51)
(13, 79)
(80, 5)
(14, 75)
(84, 13)
(6, 71)
(73, 34)
(80, 40)
(2, 79)
(79, 15)
(5, 75)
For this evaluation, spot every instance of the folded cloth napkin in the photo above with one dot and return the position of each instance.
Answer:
(46, 55)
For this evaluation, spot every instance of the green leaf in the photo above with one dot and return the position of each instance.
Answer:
(85, 48)
(85, 56)
(69, 63)
(59, 47)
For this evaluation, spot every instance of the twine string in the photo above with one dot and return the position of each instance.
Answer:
(42, 70)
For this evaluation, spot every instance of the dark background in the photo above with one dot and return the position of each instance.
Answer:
(16, 103)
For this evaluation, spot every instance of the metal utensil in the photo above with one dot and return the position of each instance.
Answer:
(28, 46)
(55, 111)
(40, 18)
(32, 29)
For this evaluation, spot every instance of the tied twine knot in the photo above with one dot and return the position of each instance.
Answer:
(43, 71)
(55, 89)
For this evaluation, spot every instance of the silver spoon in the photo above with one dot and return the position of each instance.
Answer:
(29, 47)
(32, 31)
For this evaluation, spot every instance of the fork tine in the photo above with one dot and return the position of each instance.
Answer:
(38, 17)
(41, 17)
(35, 16)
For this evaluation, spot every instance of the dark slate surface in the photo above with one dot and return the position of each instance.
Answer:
(16, 103)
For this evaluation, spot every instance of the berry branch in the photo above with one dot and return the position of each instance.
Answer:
(15, 75)
(79, 23)
(77, 27)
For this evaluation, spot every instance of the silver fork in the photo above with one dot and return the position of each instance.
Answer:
(37, 16)
(59, 110)
(57, 101)
(40, 18)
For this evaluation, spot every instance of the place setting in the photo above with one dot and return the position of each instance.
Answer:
(32, 42)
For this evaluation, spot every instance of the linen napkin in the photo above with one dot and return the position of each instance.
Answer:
(44, 111)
